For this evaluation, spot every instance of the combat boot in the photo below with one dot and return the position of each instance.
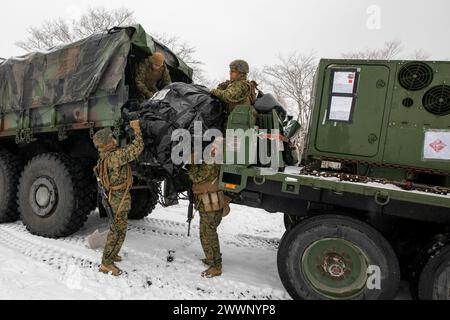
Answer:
(212, 272)
(207, 262)
(107, 269)
(118, 259)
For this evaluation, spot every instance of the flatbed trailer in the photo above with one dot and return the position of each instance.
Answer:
(408, 229)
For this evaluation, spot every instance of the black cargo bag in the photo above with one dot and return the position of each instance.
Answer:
(178, 106)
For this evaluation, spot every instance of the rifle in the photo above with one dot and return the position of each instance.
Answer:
(190, 210)
(98, 240)
(104, 197)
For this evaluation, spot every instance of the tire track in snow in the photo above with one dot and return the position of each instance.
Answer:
(179, 230)
(181, 279)
(170, 229)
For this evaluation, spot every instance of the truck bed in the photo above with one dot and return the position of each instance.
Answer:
(291, 190)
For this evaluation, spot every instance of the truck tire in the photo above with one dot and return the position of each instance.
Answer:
(10, 167)
(434, 282)
(336, 257)
(143, 202)
(54, 195)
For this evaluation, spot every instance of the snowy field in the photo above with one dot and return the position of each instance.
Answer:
(36, 268)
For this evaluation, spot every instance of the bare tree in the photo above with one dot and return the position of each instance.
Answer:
(99, 19)
(58, 31)
(390, 50)
(186, 52)
(421, 55)
(291, 79)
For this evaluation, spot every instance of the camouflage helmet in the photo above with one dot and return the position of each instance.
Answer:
(103, 138)
(240, 66)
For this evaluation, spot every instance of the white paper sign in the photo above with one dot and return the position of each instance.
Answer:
(341, 108)
(344, 82)
(437, 145)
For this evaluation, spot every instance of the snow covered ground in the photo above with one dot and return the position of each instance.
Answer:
(36, 268)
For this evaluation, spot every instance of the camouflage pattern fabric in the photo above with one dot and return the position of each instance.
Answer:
(66, 74)
(209, 222)
(117, 229)
(119, 171)
(148, 82)
(240, 66)
(201, 173)
(234, 93)
(224, 85)
(60, 83)
(103, 137)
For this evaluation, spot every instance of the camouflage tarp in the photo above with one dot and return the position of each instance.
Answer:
(71, 73)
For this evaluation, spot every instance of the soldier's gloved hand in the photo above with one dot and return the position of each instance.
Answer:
(135, 124)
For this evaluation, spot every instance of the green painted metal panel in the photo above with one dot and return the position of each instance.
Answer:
(408, 124)
(360, 136)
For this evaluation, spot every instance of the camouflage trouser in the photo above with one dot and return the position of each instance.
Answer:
(118, 227)
(209, 222)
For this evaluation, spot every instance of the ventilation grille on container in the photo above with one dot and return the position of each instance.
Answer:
(415, 76)
(437, 100)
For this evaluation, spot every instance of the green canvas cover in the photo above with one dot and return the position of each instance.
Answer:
(73, 73)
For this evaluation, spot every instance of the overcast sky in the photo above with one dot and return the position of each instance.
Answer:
(258, 30)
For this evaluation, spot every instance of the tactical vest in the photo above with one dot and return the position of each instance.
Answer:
(103, 173)
(248, 101)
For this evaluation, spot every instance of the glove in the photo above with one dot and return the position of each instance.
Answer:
(214, 92)
(136, 125)
(224, 85)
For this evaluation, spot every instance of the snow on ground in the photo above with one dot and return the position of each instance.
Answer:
(37, 268)
(22, 278)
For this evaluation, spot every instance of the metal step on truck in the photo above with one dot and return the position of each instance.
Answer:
(369, 205)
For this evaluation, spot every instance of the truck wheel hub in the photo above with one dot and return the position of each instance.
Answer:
(335, 268)
(43, 196)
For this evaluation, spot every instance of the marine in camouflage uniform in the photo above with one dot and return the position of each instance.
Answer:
(152, 76)
(114, 171)
(211, 203)
(205, 180)
(238, 90)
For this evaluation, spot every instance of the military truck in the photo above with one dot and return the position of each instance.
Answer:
(369, 205)
(51, 103)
